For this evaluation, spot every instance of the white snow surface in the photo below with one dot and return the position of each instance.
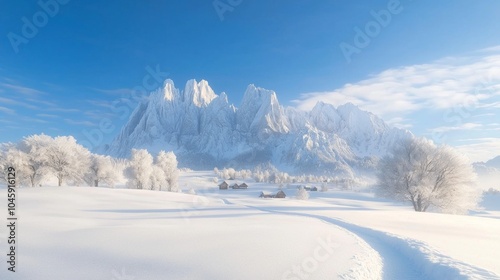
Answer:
(205, 130)
(100, 233)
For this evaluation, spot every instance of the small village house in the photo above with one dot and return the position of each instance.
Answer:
(223, 186)
(266, 195)
(280, 194)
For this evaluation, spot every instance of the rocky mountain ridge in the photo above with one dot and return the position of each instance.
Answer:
(205, 131)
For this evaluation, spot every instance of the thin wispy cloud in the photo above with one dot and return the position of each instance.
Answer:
(47, 116)
(6, 121)
(84, 123)
(490, 49)
(480, 149)
(97, 115)
(117, 91)
(492, 105)
(42, 102)
(63, 110)
(7, 100)
(400, 123)
(13, 127)
(21, 89)
(492, 127)
(446, 83)
(465, 126)
(17, 103)
(7, 110)
(33, 120)
(484, 115)
(100, 103)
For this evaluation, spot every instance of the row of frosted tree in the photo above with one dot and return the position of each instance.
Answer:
(39, 159)
(267, 173)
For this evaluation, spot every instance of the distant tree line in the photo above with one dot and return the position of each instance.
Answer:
(267, 173)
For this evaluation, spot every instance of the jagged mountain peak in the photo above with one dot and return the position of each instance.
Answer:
(168, 91)
(200, 94)
(253, 91)
(205, 130)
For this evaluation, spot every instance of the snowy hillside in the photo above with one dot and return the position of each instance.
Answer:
(205, 130)
(99, 233)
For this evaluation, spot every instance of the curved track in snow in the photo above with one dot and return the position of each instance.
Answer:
(402, 258)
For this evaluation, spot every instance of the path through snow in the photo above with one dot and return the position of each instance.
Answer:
(403, 258)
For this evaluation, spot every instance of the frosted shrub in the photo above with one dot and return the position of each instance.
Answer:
(302, 194)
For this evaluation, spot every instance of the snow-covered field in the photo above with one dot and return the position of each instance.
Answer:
(119, 234)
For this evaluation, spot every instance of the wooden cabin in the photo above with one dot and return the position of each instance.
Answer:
(266, 195)
(243, 186)
(223, 186)
(280, 194)
(234, 186)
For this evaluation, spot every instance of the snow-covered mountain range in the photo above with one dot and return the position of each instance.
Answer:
(205, 131)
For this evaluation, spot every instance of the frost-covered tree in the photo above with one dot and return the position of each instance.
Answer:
(258, 177)
(428, 176)
(158, 178)
(302, 194)
(229, 174)
(101, 170)
(245, 174)
(324, 187)
(19, 160)
(140, 169)
(167, 161)
(280, 177)
(67, 159)
(34, 149)
(3, 162)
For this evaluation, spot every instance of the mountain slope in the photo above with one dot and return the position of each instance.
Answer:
(489, 173)
(205, 130)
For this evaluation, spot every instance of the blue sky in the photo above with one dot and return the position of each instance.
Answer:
(432, 67)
